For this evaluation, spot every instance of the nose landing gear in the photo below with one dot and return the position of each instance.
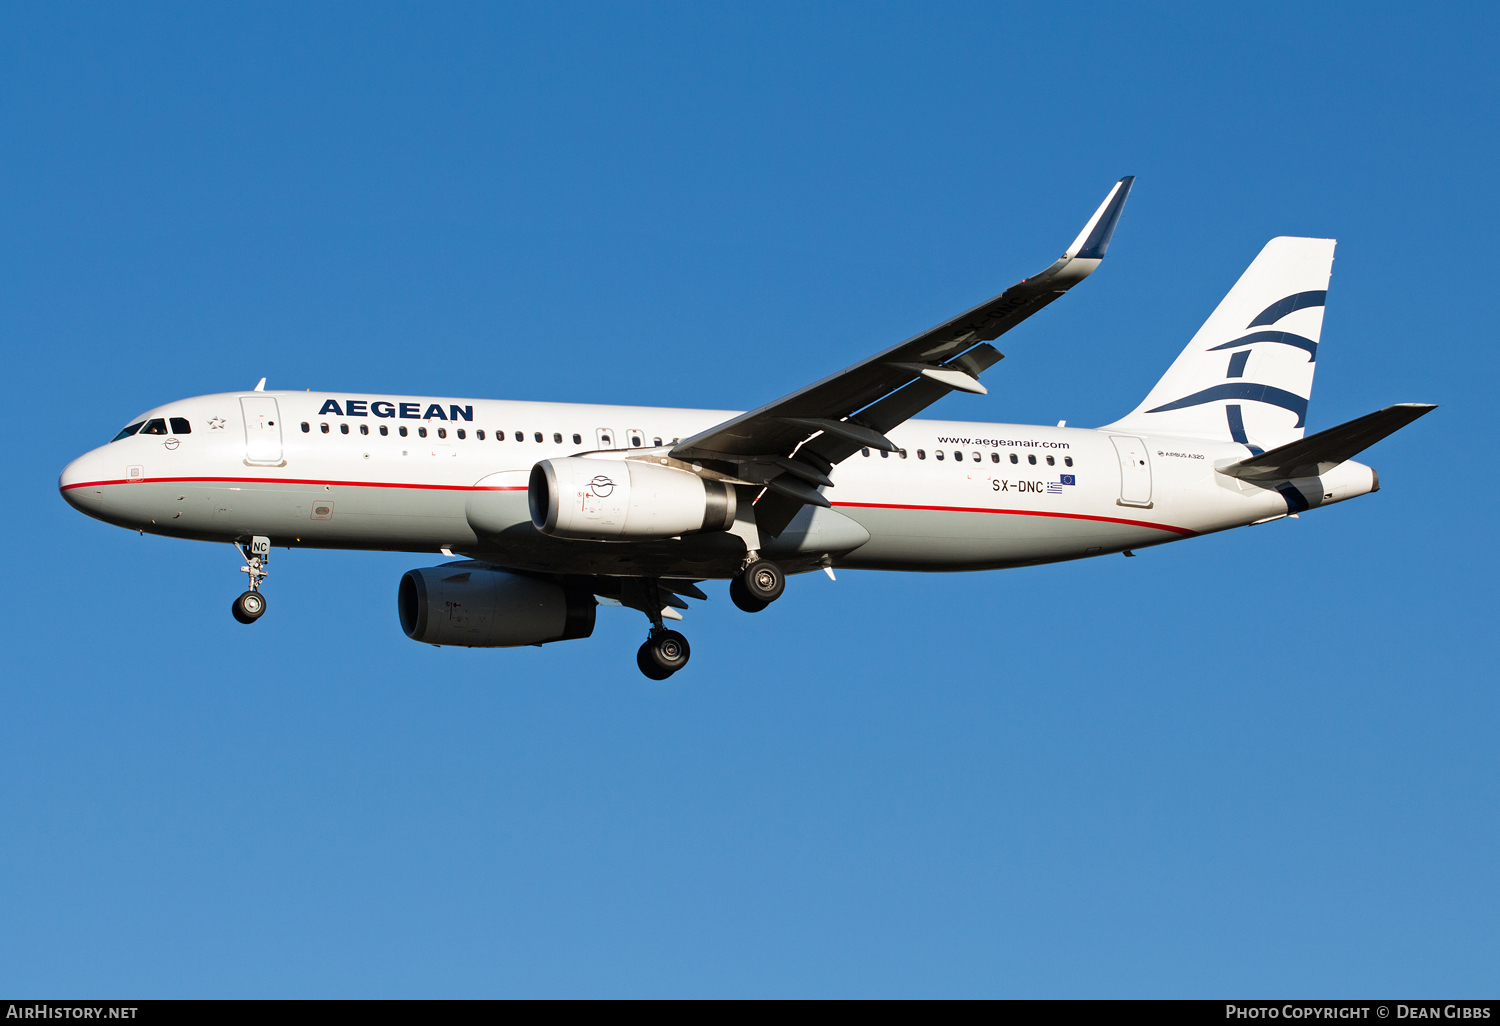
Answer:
(250, 605)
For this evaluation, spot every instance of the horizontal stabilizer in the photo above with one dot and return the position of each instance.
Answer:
(1317, 454)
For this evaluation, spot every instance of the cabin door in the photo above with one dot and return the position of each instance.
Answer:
(262, 431)
(1135, 471)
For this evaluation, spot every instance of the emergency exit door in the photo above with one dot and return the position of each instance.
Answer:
(262, 431)
(1135, 471)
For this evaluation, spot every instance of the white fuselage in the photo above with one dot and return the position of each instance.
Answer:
(428, 475)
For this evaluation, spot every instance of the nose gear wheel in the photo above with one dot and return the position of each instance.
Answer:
(249, 607)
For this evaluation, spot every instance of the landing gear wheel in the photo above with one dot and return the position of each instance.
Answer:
(648, 665)
(763, 581)
(249, 606)
(663, 654)
(742, 598)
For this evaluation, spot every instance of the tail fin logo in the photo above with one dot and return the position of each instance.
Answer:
(1282, 307)
(1286, 338)
(1253, 358)
(1243, 390)
(1247, 390)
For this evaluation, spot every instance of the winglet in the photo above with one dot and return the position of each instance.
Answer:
(1094, 239)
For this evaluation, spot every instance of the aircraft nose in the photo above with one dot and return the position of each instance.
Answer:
(75, 481)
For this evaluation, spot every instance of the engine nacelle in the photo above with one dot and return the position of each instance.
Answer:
(624, 500)
(473, 605)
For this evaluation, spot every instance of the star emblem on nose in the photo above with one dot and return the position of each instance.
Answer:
(216, 423)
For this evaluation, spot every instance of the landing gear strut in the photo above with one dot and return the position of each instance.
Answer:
(250, 605)
(757, 586)
(664, 651)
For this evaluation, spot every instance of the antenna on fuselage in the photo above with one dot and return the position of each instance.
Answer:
(260, 386)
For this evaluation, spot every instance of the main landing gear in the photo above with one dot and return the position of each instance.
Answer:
(249, 606)
(663, 653)
(757, 586)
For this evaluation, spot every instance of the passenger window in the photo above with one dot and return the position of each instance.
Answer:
(305, 427)
(577, 438)
(864, 452)
(384, 430)
(180, 426)
(1031, 460)
(994, 457)
(421, 432)
(921, 454)
(938, 453)
(1014, 458)
(364, 429)
(1067, 461)
(978, 458)
(557, 438)
(154, 427)
(884, 455)
(323, 428)
(520, 436)
(461, 433)
(958, 456)
(903, 453)
(1051, 462)
(537, 435)
(442, 432)
(656, 441)
(131, 429)
(635, 440)
(343, 429)
(402, 430)
(479, 434)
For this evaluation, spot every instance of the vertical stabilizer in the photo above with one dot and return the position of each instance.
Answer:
(1247, 374)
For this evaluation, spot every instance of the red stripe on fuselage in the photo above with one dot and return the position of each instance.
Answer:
(296, 481)
(1020, 513)
(521, 488)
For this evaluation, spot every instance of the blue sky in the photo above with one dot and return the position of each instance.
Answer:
(1256, 764)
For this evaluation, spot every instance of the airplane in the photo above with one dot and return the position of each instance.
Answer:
(549, 510)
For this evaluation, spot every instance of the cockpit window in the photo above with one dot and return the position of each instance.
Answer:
(128, 430)
(155, 427)
(180, 426)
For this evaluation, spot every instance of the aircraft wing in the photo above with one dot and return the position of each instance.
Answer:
(853, 408)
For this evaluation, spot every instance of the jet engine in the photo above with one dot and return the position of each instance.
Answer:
(624, 500)
(477, 606)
